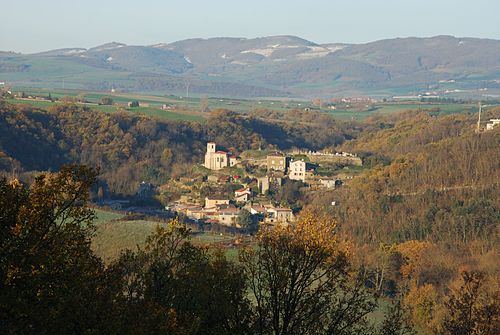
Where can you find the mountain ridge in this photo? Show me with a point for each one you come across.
(284, 64)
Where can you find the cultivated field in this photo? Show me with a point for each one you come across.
(188, 109)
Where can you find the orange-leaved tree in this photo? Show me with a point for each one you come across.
(300, 278)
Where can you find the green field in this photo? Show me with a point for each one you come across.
(148, 111)
(391, 107)
(192, 103)
(114, 234)
(187, 109)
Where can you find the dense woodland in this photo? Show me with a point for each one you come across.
(129, 149)
(420, 225)
(426, 210)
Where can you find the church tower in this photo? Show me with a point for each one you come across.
(210, 147)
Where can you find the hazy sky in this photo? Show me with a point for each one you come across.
(36, 25)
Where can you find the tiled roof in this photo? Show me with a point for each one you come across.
(229, 211)
(282, 209)
(216, 197)
(258, 208)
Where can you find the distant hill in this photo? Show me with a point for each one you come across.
(269, 66)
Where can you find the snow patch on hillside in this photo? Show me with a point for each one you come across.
(263, 52)
(159, 45)
(110, 47)
(270, 49)
(74, 51)
(314, 52)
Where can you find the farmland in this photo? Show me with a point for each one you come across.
(171, 107)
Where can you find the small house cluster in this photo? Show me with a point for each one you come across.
(269, 174)
(222, 210)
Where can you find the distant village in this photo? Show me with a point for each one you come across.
(226, 208)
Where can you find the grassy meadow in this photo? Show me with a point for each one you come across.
(115, 233)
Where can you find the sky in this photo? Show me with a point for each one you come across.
(37, 25)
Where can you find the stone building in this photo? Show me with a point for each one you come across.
(263, 184)
(279, 215)
(217, 159)
(297, 170)
(212, 201)
(277, 162)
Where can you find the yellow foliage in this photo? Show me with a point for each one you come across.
(311, 233)
(412, 252)
(15, 183)
(422, 303)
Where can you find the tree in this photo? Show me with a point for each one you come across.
(470, 311)
(299, 277)
(317, 102)
(50, 281)
(247, 221)
(395, 322)
(181, 288)
(204, 104)
(106, 101)
(100, 193)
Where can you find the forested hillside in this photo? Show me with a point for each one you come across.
(426, 210)
(129, 149)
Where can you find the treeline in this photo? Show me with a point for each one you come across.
(129, 149)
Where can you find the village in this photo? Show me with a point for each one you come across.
(251, 202)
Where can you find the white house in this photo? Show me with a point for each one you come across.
(492, 124)
(297, 170)
(242, 195)
(279, 215)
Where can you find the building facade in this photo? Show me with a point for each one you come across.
(276, 162)
(216, 159)
(297, 170)
(492, 124)
(212, 202)
(279, 215)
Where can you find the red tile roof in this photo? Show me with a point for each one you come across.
(282, 209)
